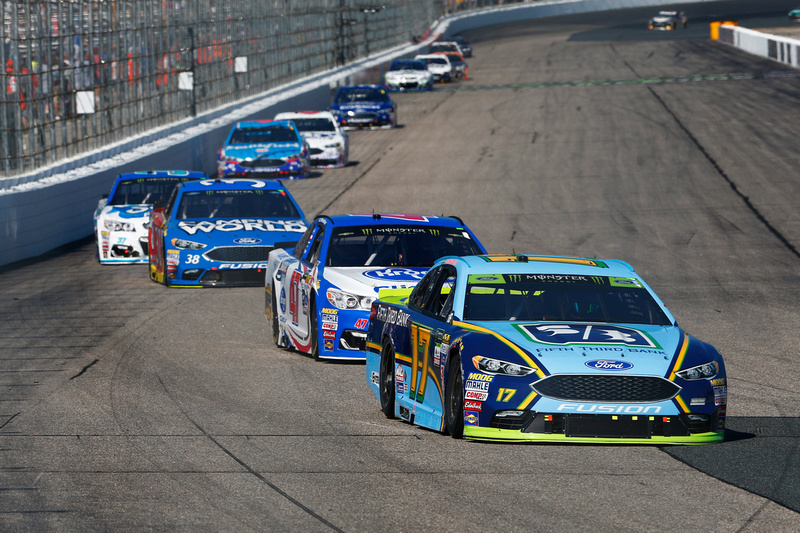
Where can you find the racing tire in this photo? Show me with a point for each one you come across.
(454, 399)
(312, 310)
(276, 331)
(386, 380)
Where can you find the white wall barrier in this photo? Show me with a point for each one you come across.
(53, 206)
(781, 49)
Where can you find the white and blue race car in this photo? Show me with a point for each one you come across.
(122, 217)
(219, 232)
(318, 295)
(328, 143)
(263, 149)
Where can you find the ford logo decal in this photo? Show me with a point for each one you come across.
(247, 241)
(608, 364)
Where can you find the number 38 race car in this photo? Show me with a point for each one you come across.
(547, 349)
(318, 295)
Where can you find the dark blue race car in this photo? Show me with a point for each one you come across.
(364, 106)
(543, 349)
(220, 232)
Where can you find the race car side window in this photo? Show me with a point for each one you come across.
(316, 244)
(421, 292)
(171, 202)
(302, 244)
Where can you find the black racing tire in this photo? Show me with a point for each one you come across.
(313, 330)
(276, 332)
(386, 380)
(454, 399)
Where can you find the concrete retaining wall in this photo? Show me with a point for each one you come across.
(781, 49)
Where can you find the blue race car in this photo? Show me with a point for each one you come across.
(364, 106)
(264, 149)
(122, 218)
(543, 349)
(318, 295)
(220, 232)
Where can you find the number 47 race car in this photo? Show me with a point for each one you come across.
(542, 349)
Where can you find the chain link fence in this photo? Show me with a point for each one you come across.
(82, 74)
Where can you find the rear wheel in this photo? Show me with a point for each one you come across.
(387, 380)
(454, 399)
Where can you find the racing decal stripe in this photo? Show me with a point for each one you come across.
(402, 357)
(681, 404)
(507, 342)
(527, 401)
(679, 359)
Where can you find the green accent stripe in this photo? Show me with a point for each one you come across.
(511, 435)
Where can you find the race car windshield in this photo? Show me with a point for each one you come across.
(560, 297)
(412, 246)
(143, 191)
(314, 124)
(408, 65)
(361, 95)
(236, 204)
(436, 60)
(266, 134)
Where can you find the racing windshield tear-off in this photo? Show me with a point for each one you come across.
(559, 297)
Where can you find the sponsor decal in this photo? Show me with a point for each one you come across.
(476, 385)
(399, 374)
(329, 311)
(718, 381)
(612, 408)
(437, 355)
(721, 395)
(697, 401)
(470, 418)
(392, 315)
(480, 377)
(327, 334)
(242, 266)
(375, 378)
(608, 364)
(137, 211)
(395, 274)
(473, 405)
(246, 241)
(282, 300)
(361, 323)
(329, 345)
(256, 184)
(244, 224)
(565, 334)
(327, 317)
(329, 325)
(475, 395)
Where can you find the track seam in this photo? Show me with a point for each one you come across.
(244, 465)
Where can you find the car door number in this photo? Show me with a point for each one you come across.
(420, 347)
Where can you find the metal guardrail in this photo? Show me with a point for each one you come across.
(82, 74)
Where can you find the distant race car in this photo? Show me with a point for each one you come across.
(219, 232)
(408, 75)
(444, 46)
(667, 20)
(318, 295)
(122, 218)
(543, 349)
(459, 65)
(794, 14)
(263, 149)
(328, 143)
(362, 106)
(463, 44)
(439, 65)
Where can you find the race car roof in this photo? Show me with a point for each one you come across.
(144, 174)
(228, 184)
(539, 264)
(391, 218)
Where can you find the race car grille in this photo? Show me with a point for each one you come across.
(239, 254)
(253, 277)
(261, 163)
(617, 389)
(362, 117)
(315, 151)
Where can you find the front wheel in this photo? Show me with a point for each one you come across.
(387, 380)
(454, 399)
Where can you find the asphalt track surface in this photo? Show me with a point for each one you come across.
(128, 406)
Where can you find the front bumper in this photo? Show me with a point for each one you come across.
(118, 248)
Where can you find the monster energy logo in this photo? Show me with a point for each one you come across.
(366, 231)
(434, 232)
(599, 280)
(514, 278)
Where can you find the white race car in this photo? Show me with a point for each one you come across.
(439, 65)
(408, 75)
(329, 144)
(122, 218)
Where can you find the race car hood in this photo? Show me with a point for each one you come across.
(243, 231)
(259, 151)
(661, 19)
(585, 348)
(367, 281)
(320, 138)
(407, 73)
(362, 106)
(127, 213)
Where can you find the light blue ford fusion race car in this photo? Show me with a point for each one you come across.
(264, 149)
(543, 349)
(364, 106)
(219, 232)
(318, 295)
(122, 218)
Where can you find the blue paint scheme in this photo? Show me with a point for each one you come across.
(313, 320)
(264, 149)
(220, 232)
(400, 326)
(361, 106)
